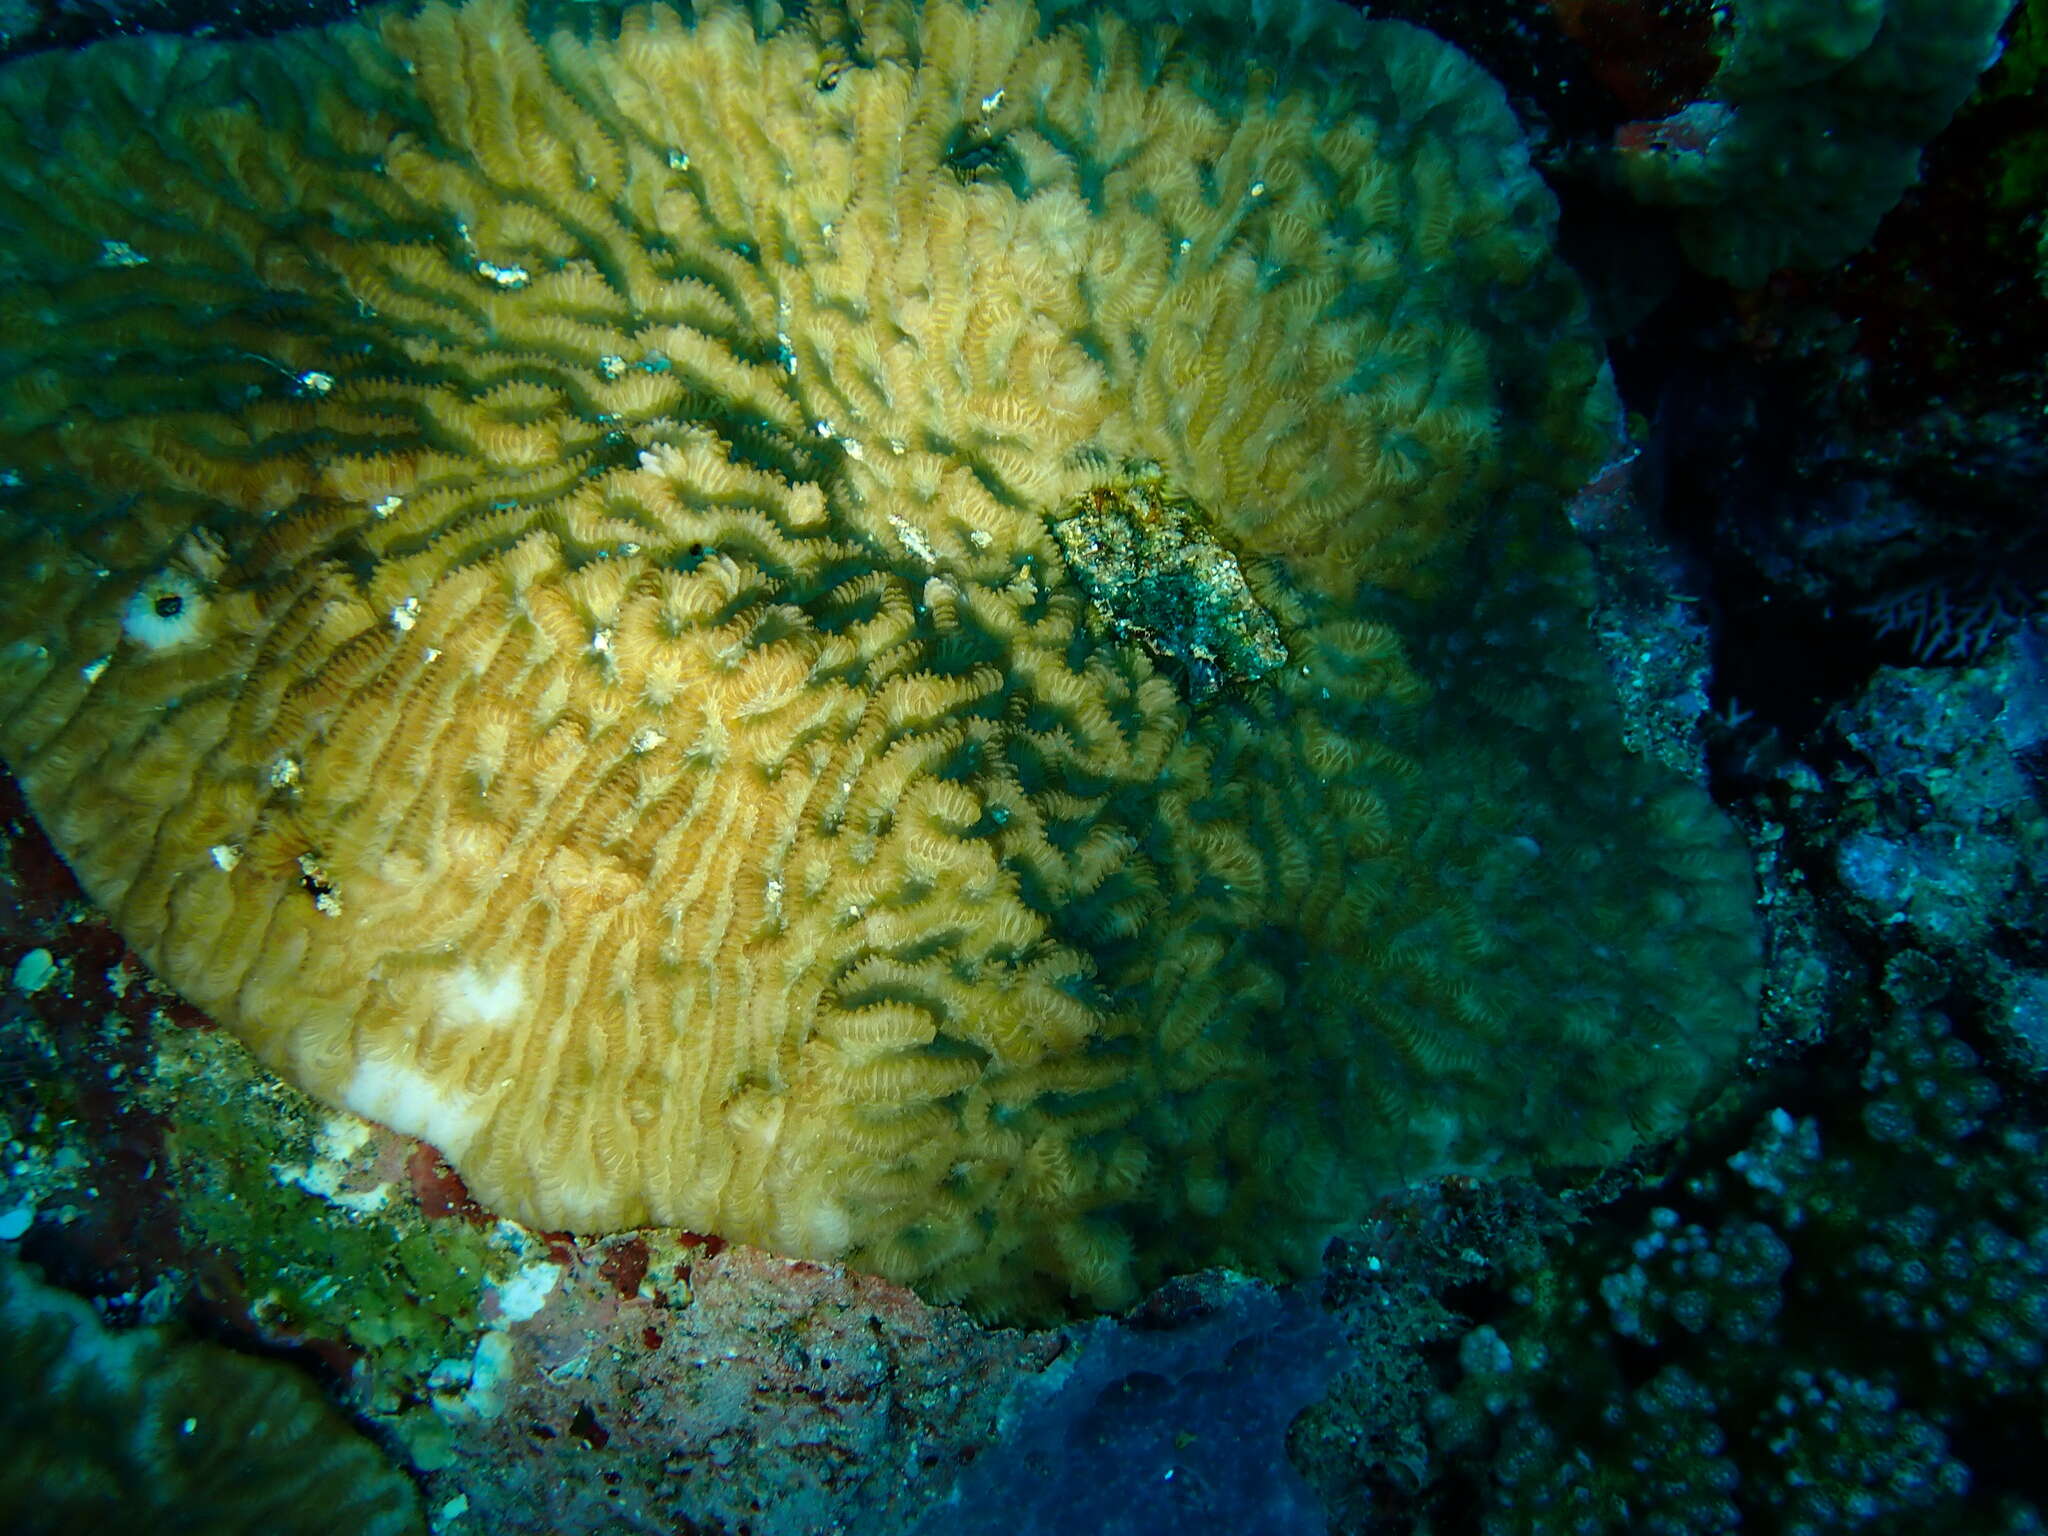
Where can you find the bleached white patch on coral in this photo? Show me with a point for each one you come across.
(474, 1388)
(35, 971)
(397, 1096)
(513, 1240)
(915, 544)
(662, 459)
(491, 997)
(166, 612)
(804, 506)
(340, 1139)
(525, 1291)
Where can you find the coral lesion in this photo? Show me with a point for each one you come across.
(1155, 574)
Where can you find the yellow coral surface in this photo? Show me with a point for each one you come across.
(534, 599)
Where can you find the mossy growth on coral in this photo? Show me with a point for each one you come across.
(252, 1160)
(541, 606)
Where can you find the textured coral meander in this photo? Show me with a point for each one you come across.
(144, 1430)
(536, 595)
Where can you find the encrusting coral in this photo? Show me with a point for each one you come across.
(539, 598)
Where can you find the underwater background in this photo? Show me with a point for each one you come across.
(1814, 238)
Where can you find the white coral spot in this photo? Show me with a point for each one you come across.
(476, 995)
(165, 613)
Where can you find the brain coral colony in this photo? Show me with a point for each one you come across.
(922, 634)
